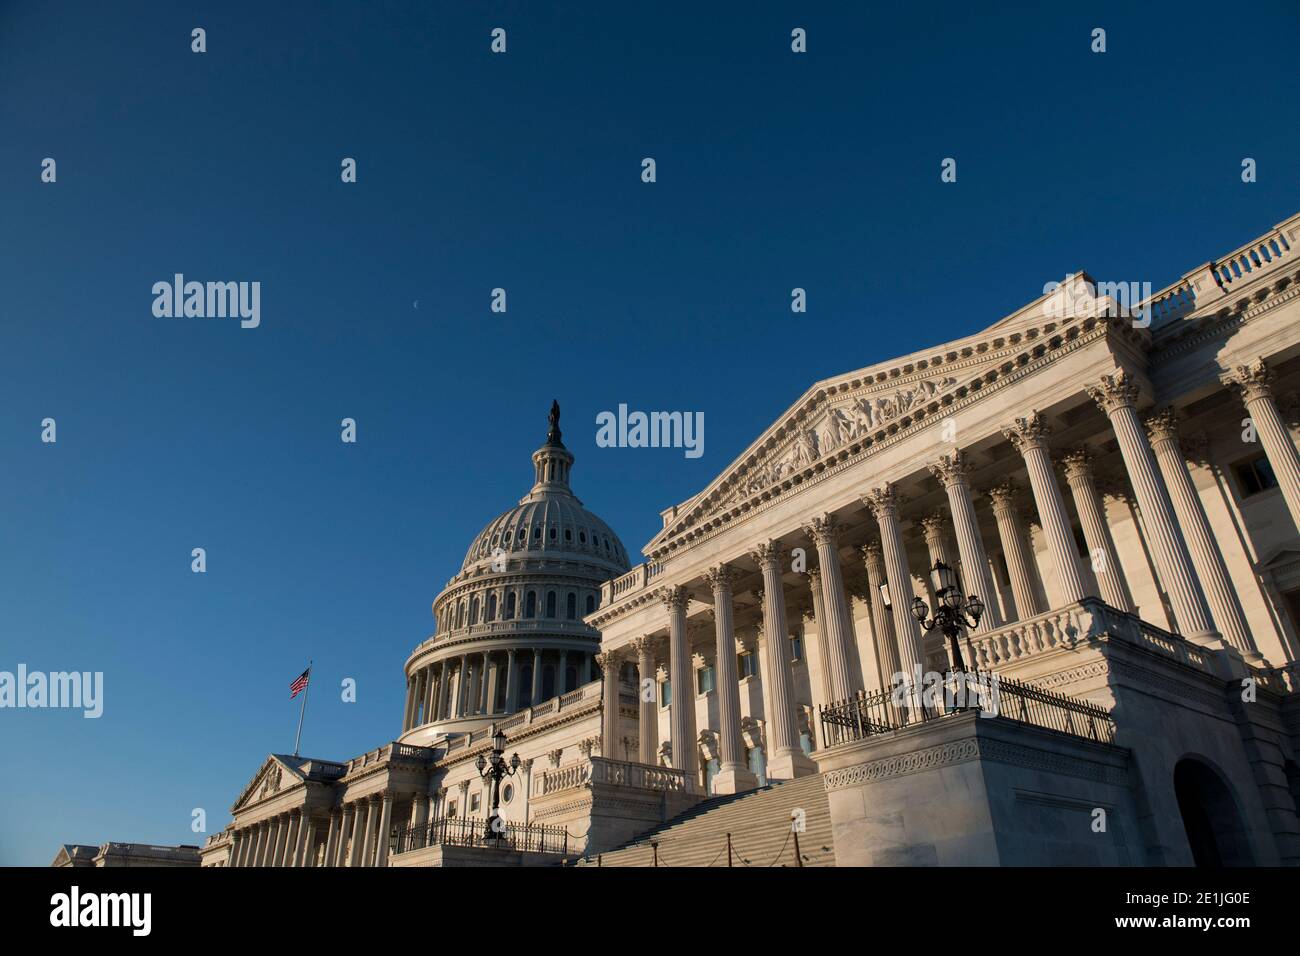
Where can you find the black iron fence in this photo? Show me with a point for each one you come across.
(464, 831)
(894, 708)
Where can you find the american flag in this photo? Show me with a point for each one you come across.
(300, 683)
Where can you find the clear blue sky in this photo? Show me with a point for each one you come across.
(520, 171)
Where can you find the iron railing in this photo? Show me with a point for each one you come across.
(466, 831)
(893, 709)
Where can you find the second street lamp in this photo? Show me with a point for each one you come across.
(952, 610)
(494, 767)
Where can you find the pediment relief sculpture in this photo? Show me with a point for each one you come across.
(838, 426)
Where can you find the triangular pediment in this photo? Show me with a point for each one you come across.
(839, 418)
(276, 773)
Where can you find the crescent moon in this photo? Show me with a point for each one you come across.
(417, 303)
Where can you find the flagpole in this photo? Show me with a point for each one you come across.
(303, 710)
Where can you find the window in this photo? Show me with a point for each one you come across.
(591, 603)
(451, 809)
(747, 664)
(474, 801)
(537, 532)
(491, 607)
(510, 606)
(571, 606)
(796, 648)
(666, 693)
(552, 534)
(1254, 475)
(568, 534)
(530, 605)
(704, 680)
(582, 537)
(507, 793)
(550, 604)
(473, 610)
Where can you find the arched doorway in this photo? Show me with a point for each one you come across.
(1215, 831)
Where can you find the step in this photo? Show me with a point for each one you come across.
(758, 822)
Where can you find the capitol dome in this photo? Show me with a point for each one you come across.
(510, 630)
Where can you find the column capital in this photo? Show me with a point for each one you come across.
(1162, 425)
(934, 524)
(643, 646)
(768, 554)
(1114, 392)
(1004, 496)
(814, 577)
(1254, 380)
(951, 469)
(883, 501)
(721, 577)
(1077, 465)
(1028, 433)
(822, 529)
(872, 553)
(607, 659)
(675, 597)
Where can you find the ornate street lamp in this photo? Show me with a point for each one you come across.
(952, 610)
(494, 768)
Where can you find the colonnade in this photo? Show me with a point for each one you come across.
(1188, 565)
(472, 684)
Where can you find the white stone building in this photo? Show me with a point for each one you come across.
(1119, 482)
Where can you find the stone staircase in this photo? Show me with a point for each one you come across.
(759, 824)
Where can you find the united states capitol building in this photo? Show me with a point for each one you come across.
(1117, 481)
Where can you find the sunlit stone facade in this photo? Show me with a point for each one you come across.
(1121, 486)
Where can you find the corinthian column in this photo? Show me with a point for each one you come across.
(1110, 579)
(1020, 562)
(609, 694)
(430, 690)
(883, 503)
(882, 623)
(1029, 436)
(512, 682)
(845, 681)
(1117, 396)
(953, 472)
(1255, 382)
(360, 831)
(648, 729)
(1205, 553)
(733, 775)
(681, 714)
(786, 760)
(385, 824)
(819, 618)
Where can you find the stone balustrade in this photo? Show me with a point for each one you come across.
(1076, 623)
(618, 773)
(636, 579)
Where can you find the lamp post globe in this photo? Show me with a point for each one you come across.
(493, 767)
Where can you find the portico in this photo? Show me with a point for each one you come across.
(1056, 452)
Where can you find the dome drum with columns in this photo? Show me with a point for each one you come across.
(510, 630)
